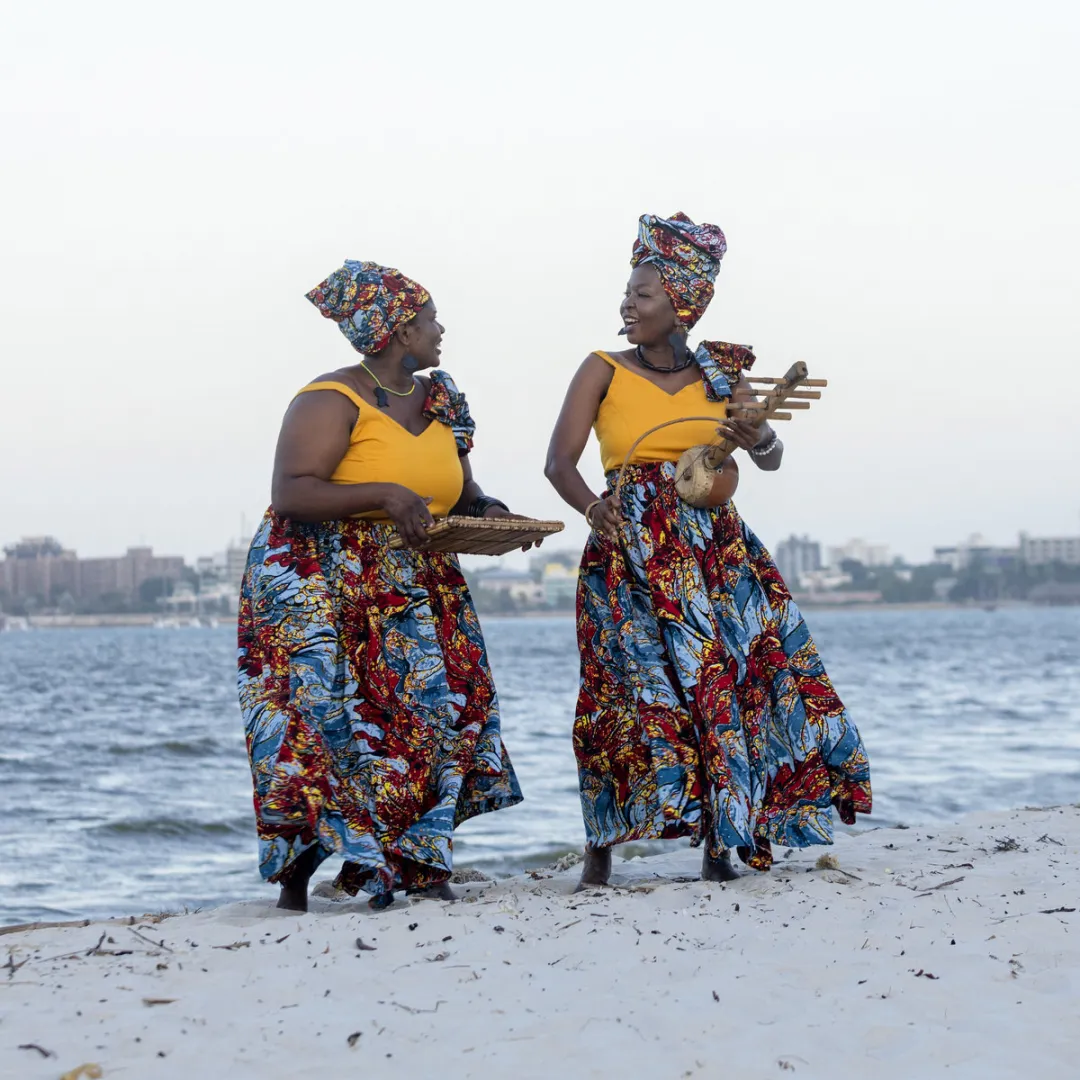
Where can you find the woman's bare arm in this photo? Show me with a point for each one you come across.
(314, 438)
(571, 433)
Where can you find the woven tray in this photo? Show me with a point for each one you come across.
(483, 536)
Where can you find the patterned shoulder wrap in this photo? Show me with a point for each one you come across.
(720, 363)
(447, 404)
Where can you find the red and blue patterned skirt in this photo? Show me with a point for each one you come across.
(371, 717)
(704, 708)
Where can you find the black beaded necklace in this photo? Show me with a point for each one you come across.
(677, 342)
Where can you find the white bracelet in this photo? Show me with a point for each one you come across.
(768, 448)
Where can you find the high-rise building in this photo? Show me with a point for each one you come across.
(975, 551)
(235, 564)
(1038, 551)
(39, 569)
(127, 574)
(796, 557)
(861, 552)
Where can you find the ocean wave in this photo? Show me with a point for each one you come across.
(204, 747)
(174, 826)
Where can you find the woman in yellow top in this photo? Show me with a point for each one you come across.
(704, 709)
(372, 721)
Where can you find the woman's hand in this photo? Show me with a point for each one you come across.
(605, 517)
(747, 428)
(410, 514)
(744, 433)
(499, 512)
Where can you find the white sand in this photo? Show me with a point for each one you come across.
(931, 955)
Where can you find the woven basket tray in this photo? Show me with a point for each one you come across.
(483, 536)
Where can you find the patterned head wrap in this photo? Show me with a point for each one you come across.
(687, 258)
(368, 302)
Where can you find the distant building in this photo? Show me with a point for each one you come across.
(1039, 551)
(824, 580)
(975, 551)
(39, 569)
(226, 566)
(235, 564)
(559, 585)
(517, 584)
(127, 574)
(183, 600)
(1030, 550)
(795, 558)
(861, 552)
(207, 599)
(566, 558)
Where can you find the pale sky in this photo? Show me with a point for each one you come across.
(899, 186)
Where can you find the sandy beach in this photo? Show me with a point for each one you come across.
(952, 950)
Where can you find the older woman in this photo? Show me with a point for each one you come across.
(704, 709)
(372, 721)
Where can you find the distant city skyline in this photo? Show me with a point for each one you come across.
(576, 534)
(875, 550)
(868, 552)
(39, 576)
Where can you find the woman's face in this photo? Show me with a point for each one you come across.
(646, 310)
(422, 337)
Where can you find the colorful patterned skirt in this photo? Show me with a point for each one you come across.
(704, 708)
(372, 721)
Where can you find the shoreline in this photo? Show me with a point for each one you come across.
(147, 621)
(947, 949)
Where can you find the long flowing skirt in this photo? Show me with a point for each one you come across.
(371, 718)
(704, 708)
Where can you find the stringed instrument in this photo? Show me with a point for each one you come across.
(698, 469)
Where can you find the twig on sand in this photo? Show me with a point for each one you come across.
(841, 870)
(11, 967)
(934, 888)
(150, 941)
(40, 1049)
(1041, 911)
(18, 929)
(413, 1010)
(94, 950)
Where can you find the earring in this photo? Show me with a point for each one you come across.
(409, 362)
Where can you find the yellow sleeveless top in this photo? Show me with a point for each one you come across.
(381, 451)
(633, 404)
